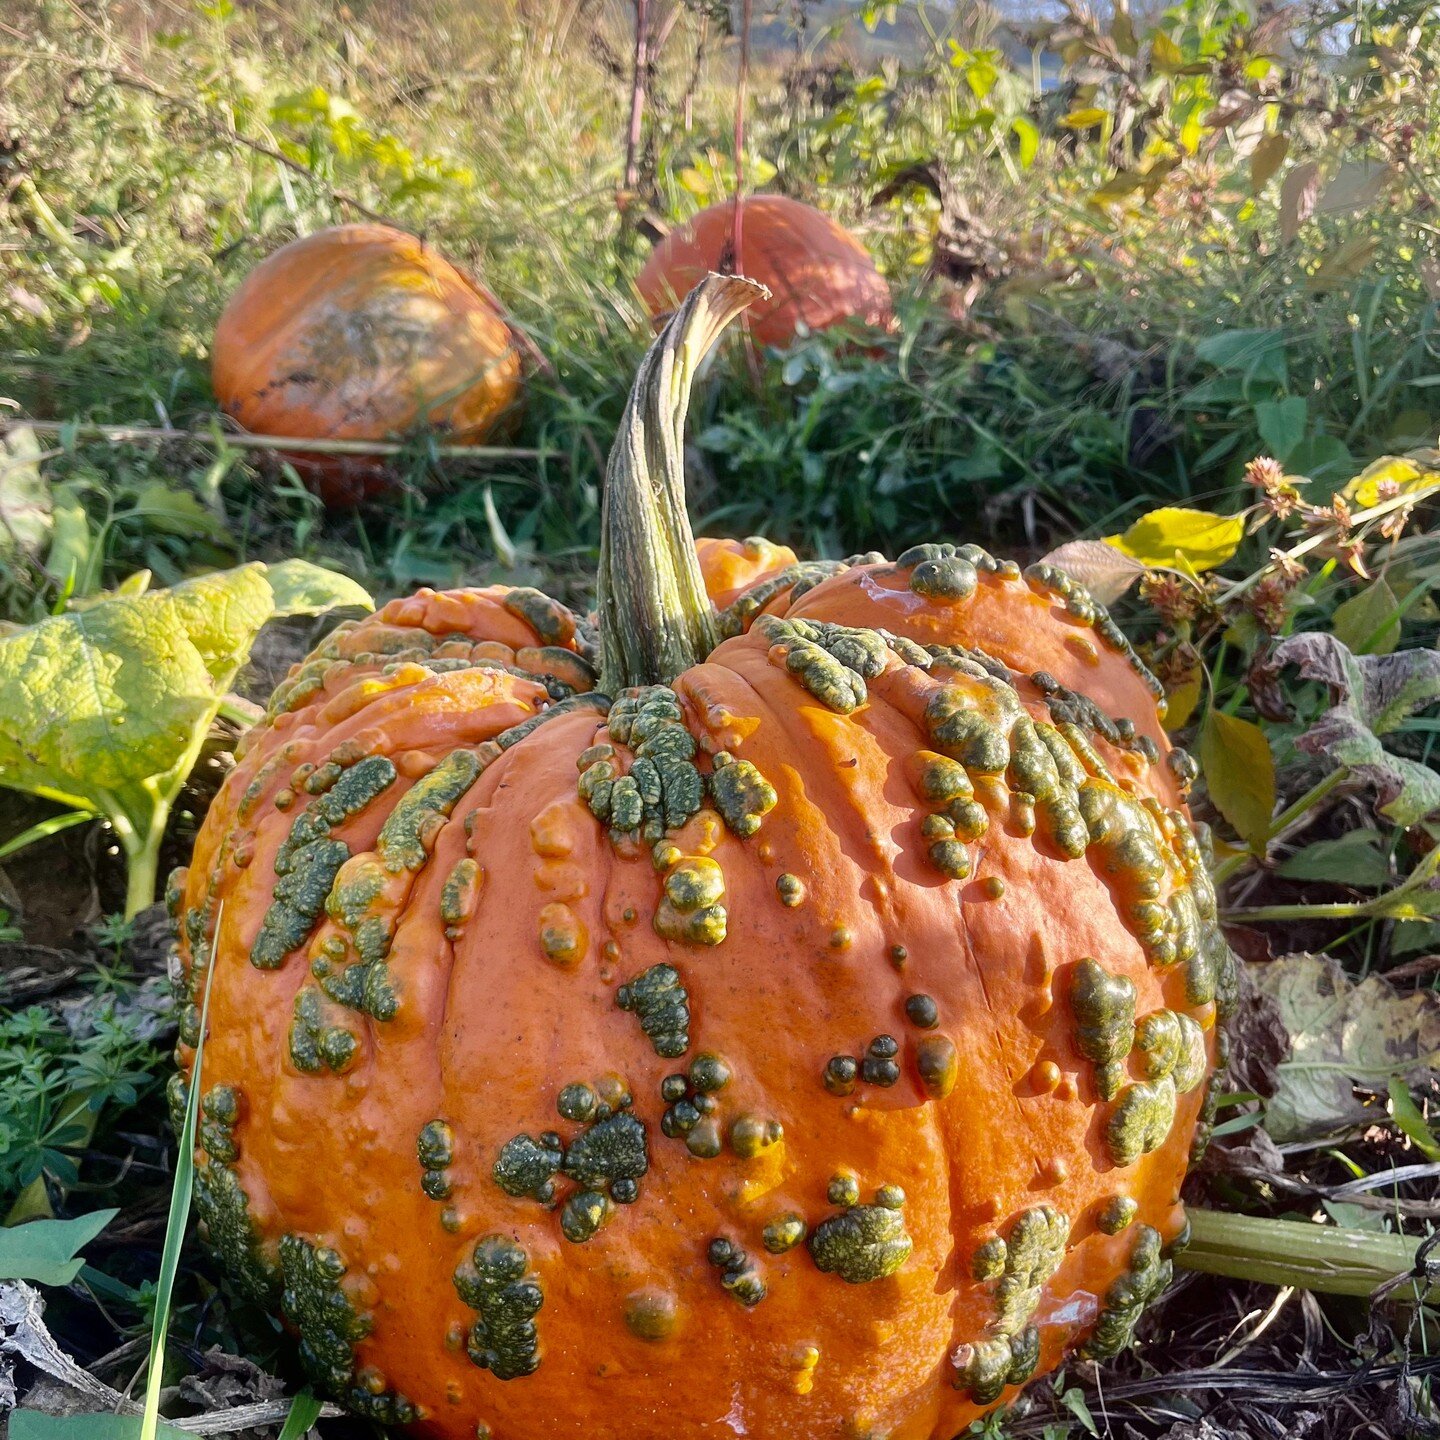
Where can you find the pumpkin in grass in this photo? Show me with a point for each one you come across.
(787, 1021)
(818, 274)
(360, 333)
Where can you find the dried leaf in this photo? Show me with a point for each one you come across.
(1106, 571)
(1344, 263)
(1341, 1035)
(25, 504)
(1239, 774)
(1384, 690)
(1267, 158)
(1297, 198)
(1356, 186)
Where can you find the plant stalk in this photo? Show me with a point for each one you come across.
(655, 617)
(1322, 1258)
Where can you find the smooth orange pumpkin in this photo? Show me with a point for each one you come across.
(360, 333)
(808, 1042)
(818, 274)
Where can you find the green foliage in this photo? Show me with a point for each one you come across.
(45, 1251)
(105, 707)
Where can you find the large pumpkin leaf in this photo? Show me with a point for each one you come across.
(1191, 539)
(1342, 1034)
(104, 708)
(1371, 695)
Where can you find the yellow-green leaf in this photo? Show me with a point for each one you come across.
(1164, 52)
(1239, 774)
(1390, 470)
(1084, 119)
(1181, 703)
(1369, 623)
(1174, 536)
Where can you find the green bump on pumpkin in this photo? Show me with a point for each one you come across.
(528, 1166)
(457, 895)
(1191, 1061)
(958, 726)
(315, 1303)
(784, 1232)
(739, 1275)
(435, 1145)
(862, 1243)
(1104, 1005)
(943, 780)
(736, 618)
(985, 1368)
(314, 1045)
(611, 1149)
(742, 795)
(1033, 1252)
(409, 834)
(583, 1214)
(1117, 1214)
(944, 579)
(1145, 1280)
(662, 1006)
(663, 788)
(790, 889)
(989, 1261)
(1141, 1121)
(1158, 1039)
(819, 656)
(494, 1283)
(221, 1204)
(548, 618)
(297, 900)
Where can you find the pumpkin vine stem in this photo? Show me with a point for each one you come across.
(655, 617)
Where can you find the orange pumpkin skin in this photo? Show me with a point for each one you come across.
(361, 332)
(492, 940)
(730, 567)
(817, 273)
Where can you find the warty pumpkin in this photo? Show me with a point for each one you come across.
(359, 333)
(818, 274)
(787, 1020)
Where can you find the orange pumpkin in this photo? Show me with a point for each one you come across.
(817, 272)
(807, 1041)
(360, 333)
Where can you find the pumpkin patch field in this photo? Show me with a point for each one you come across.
(719, 720)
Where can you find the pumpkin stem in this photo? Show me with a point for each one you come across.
(1307, 1257)
(655, 617)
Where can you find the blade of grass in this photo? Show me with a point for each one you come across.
(175, 1226)
(43, 830)
(304, 1412)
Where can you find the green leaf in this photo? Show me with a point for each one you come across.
(1085, 118)
(25, 505)
(1282, 424)
(74, 559)
(1239, 774)
(44, 1251)
(35, 1425)
(1258, 355)
(304, 1412)
(1341, 1034)
(1325, 461)
(1369, 623)
(1173, 536)
(300, 588)
(172, 511)
(1411, 1121)
(1357, 858)
(105, 708)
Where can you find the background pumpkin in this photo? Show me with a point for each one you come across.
(360, 332)
(811, 1042)
(817, 272)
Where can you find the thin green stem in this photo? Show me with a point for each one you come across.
(1322, 1258)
